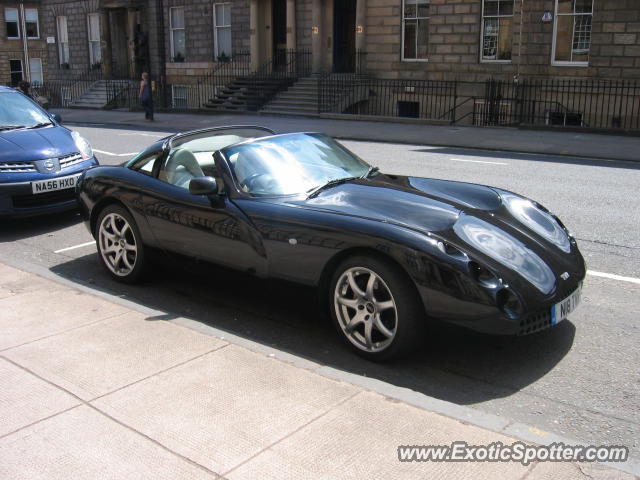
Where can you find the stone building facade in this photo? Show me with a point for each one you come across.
(410, 39)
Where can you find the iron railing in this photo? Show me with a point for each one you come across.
(593, 104)
(63, 93)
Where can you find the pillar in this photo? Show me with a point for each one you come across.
(361, 21)
(105, 43)
(291, 25)
(254, 45)
(131, 42)
(316, 36)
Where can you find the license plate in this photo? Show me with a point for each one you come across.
(561, 310)
(61, 183)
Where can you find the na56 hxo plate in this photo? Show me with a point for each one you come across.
(52, 184)
(561, 310)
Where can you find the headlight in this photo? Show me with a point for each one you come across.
(502, 247)
(538, 220)
(83, 145)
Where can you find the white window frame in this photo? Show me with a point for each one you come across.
(37, 23)
(32, 62)
(63, 39)
(92, 59)
(17, 23)
(567, 63)
(482, 24)
(14, 71)
(174, 96)
(402, 39)
(216, 27)
(172, 29)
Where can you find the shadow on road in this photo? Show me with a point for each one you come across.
(13, 229)
(454, 365)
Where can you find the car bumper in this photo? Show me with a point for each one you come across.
(17, 199)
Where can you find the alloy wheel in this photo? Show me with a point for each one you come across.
(118, 245)
(365, 309)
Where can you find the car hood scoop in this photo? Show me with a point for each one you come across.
(422, 203)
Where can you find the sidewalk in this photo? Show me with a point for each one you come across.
(92, 386)
(588, 145)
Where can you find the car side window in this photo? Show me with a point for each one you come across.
(145, 164)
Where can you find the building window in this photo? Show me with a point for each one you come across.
(176, 25)
(222, 33)
(11, 22)
(15, 70)
(35, 71)
(31, 22)
(93, 28)
(497, 30)
(415, 29)
(179, 96)
(63, 40)
(572, 32)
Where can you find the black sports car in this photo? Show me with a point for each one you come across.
(387, 252)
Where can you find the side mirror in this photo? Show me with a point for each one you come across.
(203, 186)
(57, 118)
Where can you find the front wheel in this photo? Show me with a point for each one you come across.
(120, 245)
(375, 308)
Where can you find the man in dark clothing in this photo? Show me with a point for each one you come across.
(146, 96)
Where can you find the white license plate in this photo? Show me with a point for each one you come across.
(561, 310)
(60, 183)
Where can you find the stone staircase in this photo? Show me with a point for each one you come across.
(246, 94)
(94, 97)
(299, 99)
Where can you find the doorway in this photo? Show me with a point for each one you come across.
(344, 35)
(279, 32)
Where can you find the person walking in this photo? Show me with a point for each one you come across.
(146, 96)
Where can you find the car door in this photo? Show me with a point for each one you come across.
(211, 228)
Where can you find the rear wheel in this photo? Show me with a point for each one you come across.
(375, 308)
(120, 245)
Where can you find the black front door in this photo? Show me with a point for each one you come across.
(344, 33)
(279, 22)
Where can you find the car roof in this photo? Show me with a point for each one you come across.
(7, 89)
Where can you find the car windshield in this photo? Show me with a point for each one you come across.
(17, 111)
(292, 164)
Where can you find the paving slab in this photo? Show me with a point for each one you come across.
(26, 399)
(102, 357)
(359, 439)
(14, 281)
(31, 315)
(84, 444)
(574, 471)
(225, 407)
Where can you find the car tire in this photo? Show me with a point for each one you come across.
(375, 308)
(120, 246)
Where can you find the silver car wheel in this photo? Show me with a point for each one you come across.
(365, 309)
(118, 245)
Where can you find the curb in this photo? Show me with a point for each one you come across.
(464, 414)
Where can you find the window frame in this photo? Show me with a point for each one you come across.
(37, 23)
(17, 22)
(403, 20)
(31, 70)
(63, 47)
(173, 29)
(568, 63)
(92, 59)
(216, 45)
(483, 18)
(11, 72)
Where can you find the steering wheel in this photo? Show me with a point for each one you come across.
(249, 181)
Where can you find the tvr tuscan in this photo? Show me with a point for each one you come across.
(387, 252)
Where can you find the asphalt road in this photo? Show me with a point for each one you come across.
(580, 379)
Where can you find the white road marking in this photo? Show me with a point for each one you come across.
(75, 246)
(614, 277)
(476, 161)
(115, 154)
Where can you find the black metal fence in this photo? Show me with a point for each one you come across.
(63, 93)
(593, 104)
